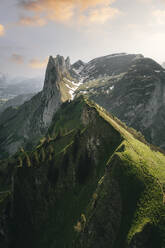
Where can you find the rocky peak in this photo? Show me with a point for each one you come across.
(62, 64)
(145, 68)
(110, 65)
(78, 64)
(36, 115)
(57, 68)
(67, 62)
(137, 96)
(147, 63)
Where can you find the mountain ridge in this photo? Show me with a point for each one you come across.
(89, 183)
(105, 80)
(143, 107)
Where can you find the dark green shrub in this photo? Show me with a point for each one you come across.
(84, 167)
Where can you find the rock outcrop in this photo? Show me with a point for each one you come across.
(127, 85)
(110, 65)
(25, 125)
(132, 88)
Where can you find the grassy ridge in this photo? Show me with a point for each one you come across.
(141, 176)
(89, 183)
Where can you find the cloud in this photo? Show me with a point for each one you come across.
(67, 10)
(32, 21)
(2, 30)
(159, 16)
(17, 58)
(38, 64)
(43, 5)
(101, 15)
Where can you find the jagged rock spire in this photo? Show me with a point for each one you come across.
(57, 68)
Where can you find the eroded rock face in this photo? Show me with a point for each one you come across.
(110, 65)
(138, 99)
(31, 120)
(136, 96)
(127, 85)
(51, 92)
(78, 65)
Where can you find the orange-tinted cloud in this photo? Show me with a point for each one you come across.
(65, 10)
(17, 58)
(32, 21)
(100, 15)
(2, 30)
(42, 5)
(38, 64)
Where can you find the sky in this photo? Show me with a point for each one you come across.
(32, 30)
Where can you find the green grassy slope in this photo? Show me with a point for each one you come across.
(135, 175)
(89, 183)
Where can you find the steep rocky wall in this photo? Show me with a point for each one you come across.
(138, 99)
(26, 125)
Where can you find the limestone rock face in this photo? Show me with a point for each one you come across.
(138, 99)
(132, 88)
(68, 64)
(108, 65)
(31, 120)
(51, 92)
(128, 85)
(78, 64)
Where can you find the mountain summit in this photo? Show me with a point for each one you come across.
(135, 96)
(31, 120)
(128, 85)
(25, 125)
(75, 175)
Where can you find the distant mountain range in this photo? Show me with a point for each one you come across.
(12, 87)
(16, 101)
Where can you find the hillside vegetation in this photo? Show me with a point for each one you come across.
(88, 183)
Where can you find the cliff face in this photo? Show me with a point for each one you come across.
(127, 85)
(89, 183)
(106, 66)
(132, 88)
(137, 98)
(26, 124)
(51, 95)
